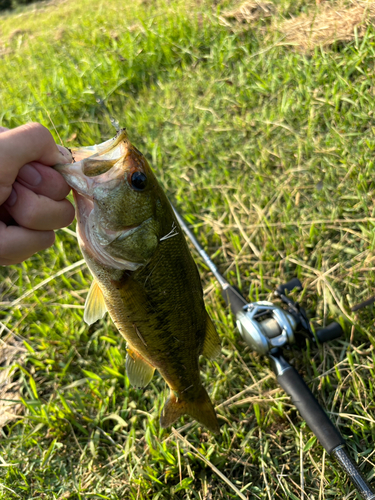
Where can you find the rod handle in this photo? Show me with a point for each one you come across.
(307, 405)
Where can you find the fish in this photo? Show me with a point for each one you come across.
(143, 274)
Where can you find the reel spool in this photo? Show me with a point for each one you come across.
(263, 326)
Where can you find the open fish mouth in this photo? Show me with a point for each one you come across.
(93, 165)
(94, 161)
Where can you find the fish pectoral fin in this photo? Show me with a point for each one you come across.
(95, 307)
(201, 409)
(211, 344)
(138, 370)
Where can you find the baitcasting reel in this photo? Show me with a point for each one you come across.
(265, 326)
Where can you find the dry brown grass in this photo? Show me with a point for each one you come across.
(250, 11)
(11, 354)
(330, 24)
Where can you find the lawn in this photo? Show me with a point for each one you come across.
(268, 151)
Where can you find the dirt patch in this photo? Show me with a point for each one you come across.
(330, 24)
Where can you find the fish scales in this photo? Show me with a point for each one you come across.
(153, 301)
(144, 274)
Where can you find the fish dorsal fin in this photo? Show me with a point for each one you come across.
(95, 307)
(211, 345)
(138, 370)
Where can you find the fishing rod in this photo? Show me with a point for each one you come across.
(267, 328)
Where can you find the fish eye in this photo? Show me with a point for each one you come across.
(138, 181)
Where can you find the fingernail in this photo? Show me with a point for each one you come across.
(12, 198)
(30, 175)
(66, 153)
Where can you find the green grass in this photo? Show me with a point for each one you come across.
(270, 156)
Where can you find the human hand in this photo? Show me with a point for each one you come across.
(32, 195)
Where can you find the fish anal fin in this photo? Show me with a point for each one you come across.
(95, 307)
(211, 345)
(201, 409)
(138, 370)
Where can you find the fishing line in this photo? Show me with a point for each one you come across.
(101, 103)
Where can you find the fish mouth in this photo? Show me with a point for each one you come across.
(93, 165)
(93, 162)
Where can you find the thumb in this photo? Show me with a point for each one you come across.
(66, 153)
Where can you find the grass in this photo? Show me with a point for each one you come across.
(269, 154)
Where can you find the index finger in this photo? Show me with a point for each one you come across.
(24, 144)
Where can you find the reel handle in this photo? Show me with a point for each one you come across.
(288, 287)
(331, 332)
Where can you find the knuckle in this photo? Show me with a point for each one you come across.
(37, 130)
(33, 127)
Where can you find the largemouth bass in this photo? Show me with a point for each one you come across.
(144, 274)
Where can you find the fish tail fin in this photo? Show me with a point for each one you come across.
(201, 409)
